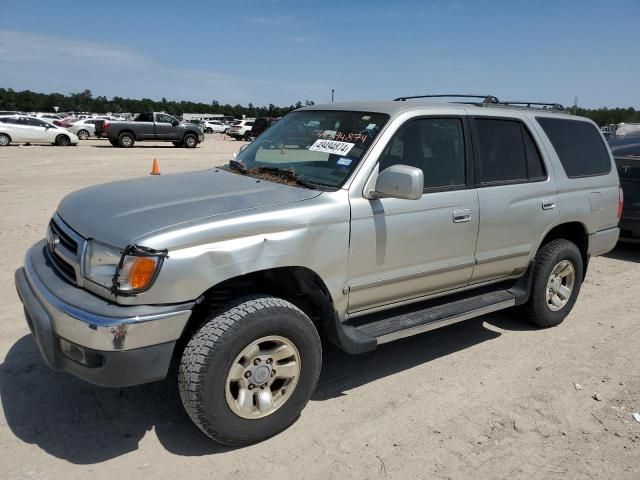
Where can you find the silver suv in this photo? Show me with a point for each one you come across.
(363, 222)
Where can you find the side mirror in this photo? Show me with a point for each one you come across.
(175, 123)
(399, 181)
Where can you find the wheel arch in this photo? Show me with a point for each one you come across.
(126, 130)
(190, 132)
(299, 285)
(573, 231)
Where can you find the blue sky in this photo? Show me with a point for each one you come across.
(269, 51)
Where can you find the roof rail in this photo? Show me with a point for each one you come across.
(485, 98)
(544, 105)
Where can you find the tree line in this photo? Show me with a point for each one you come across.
(28, 101)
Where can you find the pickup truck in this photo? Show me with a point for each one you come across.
(156, 126)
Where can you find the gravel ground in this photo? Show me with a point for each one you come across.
(487, 398)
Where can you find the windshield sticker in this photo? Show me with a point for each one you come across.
(330, 146)
(344, 161)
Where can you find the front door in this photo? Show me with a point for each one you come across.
(403, 249)
(165, 130)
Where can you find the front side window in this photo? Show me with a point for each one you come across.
(434, 145)
(579, 146)
(320, 146)
(162, 118)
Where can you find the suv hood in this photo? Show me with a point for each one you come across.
(118, 213)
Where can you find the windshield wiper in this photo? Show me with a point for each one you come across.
(237, 165)
(290, 175)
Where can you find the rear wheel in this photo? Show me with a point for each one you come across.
(83, 134)
(557, 278)
(4, 139)
(113, 142)
(249, 371)
(247, 136)
(190, 140)
(63, 141)
(208, 130)
(126, 140)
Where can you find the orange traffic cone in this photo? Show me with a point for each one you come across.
(155, 170)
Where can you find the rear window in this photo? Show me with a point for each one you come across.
(579, 146)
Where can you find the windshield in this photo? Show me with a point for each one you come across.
(321, 147)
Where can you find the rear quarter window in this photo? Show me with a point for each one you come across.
(579, 146)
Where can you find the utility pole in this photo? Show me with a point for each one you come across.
(332, 91)
(575, 105)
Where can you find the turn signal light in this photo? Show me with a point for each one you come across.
(141, 272)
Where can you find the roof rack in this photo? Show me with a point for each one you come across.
(489, 101)
(485, 98)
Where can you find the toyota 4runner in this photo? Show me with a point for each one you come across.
(364, 222)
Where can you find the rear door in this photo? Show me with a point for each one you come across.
(38, 131)
(518, 198)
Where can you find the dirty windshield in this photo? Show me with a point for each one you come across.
(318, 147)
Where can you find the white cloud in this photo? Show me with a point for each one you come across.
(51, 64)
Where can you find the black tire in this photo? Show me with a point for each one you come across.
(210, 354)
(208, 130)
(83, 134)
(113, 142)
(5, 140)
(63, 141)
(177, 144)
(537, 309)
(190, 141)
(247, 137)
(126, 140)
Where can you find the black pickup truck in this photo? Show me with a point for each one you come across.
(155, 126)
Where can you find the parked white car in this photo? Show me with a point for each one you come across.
(48, 117)
(214, 126)
(84, 128)
(241, 129)
(24, 129)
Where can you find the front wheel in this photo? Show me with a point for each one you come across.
(83, 134)
(190, 141)
(63, 141)
(557, 278)
(4, 139)
(249, 371)
(208, 130)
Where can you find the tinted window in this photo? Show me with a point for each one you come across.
(535, 167)
(579, 145)
(625, 146)
(436, 146)
(501, 152)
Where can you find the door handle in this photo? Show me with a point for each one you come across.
(461, 216)
(548, 205)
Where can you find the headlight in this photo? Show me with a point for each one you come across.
(131, 271)
(101, 263)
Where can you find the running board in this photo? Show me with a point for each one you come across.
(387, 328)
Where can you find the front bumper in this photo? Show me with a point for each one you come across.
(99, 341)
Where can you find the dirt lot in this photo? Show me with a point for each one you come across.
(488, 398)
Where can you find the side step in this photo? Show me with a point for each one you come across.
(404, 322)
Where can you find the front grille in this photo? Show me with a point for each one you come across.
(65, 250)
(65, 239)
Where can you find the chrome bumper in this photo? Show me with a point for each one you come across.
(65, 318)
